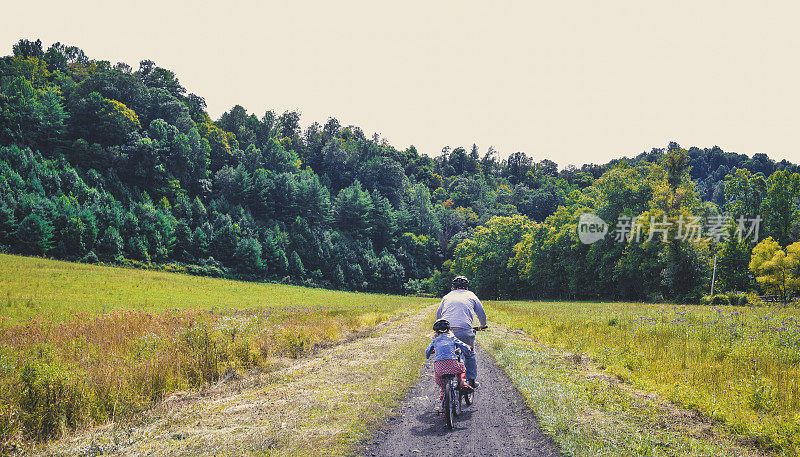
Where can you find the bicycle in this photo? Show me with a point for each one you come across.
(453, 395)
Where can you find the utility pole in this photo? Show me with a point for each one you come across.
(714, 276)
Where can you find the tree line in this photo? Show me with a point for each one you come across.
(101, 162)
(515, 256)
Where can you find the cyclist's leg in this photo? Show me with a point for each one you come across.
(437, 378)
(437, 375)
(462, 381)
(468, 336)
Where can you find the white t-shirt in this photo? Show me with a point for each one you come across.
(459, 308)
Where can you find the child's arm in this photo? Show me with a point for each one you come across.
(429, 350)
(464, 346)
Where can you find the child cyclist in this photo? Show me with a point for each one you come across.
(444, 344)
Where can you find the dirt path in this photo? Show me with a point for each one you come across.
(499, 423)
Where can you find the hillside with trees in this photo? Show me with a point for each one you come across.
(104, 163)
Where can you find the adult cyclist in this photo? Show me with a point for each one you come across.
(459, 307)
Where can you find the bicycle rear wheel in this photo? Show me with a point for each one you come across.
(447, 406)
(468, 397)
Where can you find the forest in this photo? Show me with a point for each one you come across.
(107, 163)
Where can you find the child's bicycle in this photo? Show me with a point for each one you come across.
(453, 395)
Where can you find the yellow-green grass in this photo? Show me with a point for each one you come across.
(737, 365)
(42, 288)
(82, 345)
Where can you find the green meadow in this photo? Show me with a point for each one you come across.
(56, 290)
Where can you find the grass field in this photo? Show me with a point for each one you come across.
(590, 413)
(55, 290)
(740, 366)
(84, 345)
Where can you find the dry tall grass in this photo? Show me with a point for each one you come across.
(69, 369)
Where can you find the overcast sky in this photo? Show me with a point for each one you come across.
(571, 81)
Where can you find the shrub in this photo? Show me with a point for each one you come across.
(717, 299)
(720, 299)
(729, 298)
(414, 287)
(753, 299)
(738, 298)
(205, 270)
(90, 257)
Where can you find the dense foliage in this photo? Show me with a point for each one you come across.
(103, 163)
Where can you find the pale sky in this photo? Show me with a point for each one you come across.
(571, 81)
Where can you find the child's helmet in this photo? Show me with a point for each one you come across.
(441, 326)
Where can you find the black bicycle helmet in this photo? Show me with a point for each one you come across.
(460, 282)
(441, 326)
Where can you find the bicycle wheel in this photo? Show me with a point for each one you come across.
(447, 406)
(456, 397)
(468, 397)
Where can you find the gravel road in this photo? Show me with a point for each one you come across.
(497, 424)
